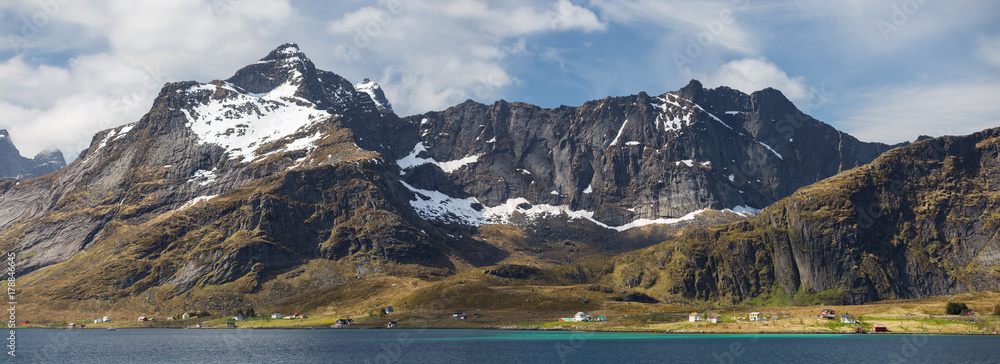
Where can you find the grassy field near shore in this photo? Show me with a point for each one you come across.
(921, 316)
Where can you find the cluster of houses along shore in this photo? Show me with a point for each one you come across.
(582, 317)
(826, 314)
(716, 319)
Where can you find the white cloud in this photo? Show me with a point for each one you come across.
(754, 74)
(91, 93)
(147, 44)
(900, 113)
(683, 22)
(430, 55)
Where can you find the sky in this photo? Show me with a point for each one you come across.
(881, 70)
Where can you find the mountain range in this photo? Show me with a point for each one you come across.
(285, 180)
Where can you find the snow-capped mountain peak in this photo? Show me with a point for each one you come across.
(285, 65)
(280, 96)
(375, 92)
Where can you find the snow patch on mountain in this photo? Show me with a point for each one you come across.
(713, 116)
(195, 201)
(434, 205)
(620, 131)
(691, 162)
(112, 135)
(242, 123)
(771, 149)
(413, 160)
(123, 131)
(643, 222)
(745, 211)
(203, 177)
(673, 115)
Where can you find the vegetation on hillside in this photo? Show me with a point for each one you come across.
(955, 308)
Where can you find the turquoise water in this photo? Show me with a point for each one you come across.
(487, 346)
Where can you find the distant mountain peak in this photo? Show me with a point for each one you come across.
(286, 64)
(692, 91)
(13, 165)
(375, 92)
(287, 51)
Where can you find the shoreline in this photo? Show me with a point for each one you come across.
(556, 329)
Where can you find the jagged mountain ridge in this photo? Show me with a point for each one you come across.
(233, 181)
(13, 165)
(623, 159)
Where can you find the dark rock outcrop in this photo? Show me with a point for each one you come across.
(639, 156)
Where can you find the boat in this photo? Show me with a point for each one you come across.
(112, 329)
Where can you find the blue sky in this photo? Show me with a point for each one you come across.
(882, 70)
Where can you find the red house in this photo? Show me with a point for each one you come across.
(880, 328)
(828, 314)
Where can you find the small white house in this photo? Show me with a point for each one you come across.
(276, 316)
(695, 317)
(580, 317)
(107, 319)
(238, 317)
(97, 321)
(848, 319)
(714, 319)
(185, 316)
(388, 310)
(755, 316)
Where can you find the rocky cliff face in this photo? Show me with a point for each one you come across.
(920, 220)
(637, 157)
(13, 165)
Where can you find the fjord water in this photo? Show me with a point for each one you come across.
(487, 346)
